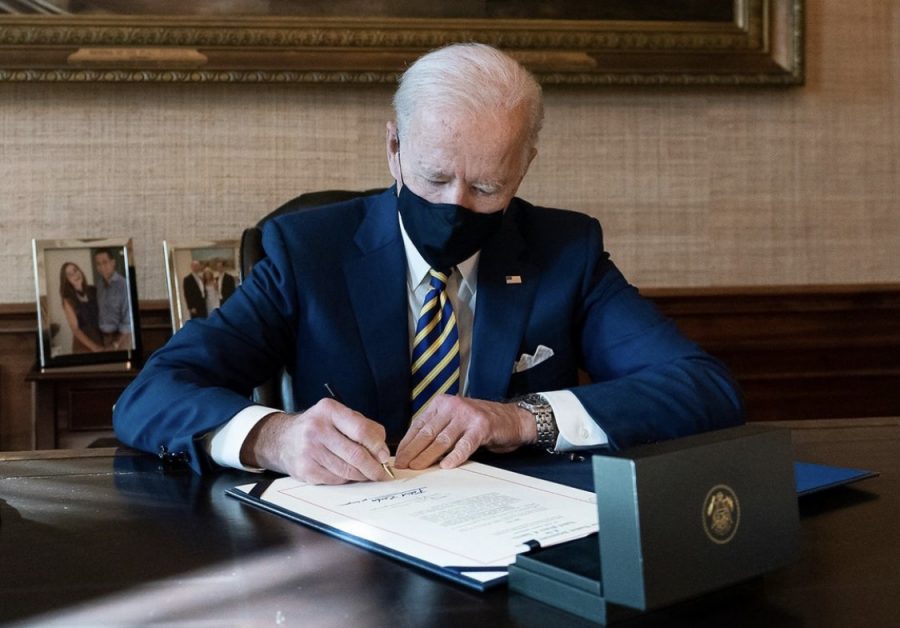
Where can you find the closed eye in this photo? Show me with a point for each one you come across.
(486, 191)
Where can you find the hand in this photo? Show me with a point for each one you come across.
(327, 444)
(454, 427)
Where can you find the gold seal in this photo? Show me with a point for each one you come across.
(721, 514)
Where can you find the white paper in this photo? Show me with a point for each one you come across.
(471, 516)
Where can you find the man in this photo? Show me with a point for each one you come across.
(224, 281)
(431, 307)
(195, 291)
(113, 303)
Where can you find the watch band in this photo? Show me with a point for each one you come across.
(545, 422)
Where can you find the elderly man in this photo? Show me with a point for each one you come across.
(450, 315)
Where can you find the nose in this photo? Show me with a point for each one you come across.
(457, 194)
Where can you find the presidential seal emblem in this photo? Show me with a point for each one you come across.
(721, 514)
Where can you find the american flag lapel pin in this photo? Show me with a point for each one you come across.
(513, 279)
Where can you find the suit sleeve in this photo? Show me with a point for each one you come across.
(206, 373)
(649, 381)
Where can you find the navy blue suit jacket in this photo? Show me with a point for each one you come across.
(329, 303)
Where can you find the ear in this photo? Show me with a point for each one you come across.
(392, 146)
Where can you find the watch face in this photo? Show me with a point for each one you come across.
(534, 399)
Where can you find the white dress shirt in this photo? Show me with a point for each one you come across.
(576, 428)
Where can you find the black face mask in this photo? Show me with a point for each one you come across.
(445, 234)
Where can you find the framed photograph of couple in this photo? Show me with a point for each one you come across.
(200, 276)
(87, 303)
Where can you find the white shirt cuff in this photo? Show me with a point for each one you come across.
(224, 444)
(577, 430)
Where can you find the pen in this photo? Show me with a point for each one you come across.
(333, 393)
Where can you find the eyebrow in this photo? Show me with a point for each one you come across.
(490, 186)
(432, 173)
(436, 173)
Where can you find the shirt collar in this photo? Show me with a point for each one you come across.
(417, 268)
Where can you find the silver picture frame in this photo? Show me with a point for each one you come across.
(200, 276)
(87, 303)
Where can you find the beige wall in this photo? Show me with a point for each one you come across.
(694, 186)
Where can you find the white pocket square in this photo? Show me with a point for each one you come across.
(527, 361)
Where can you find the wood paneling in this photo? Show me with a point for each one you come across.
(798, 352)
(17, 354)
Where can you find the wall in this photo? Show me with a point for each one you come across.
(694, 186)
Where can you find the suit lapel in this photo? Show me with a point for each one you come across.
(507, 283)
(376, 282)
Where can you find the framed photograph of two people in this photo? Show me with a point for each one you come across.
(86, 302)
(201, 276)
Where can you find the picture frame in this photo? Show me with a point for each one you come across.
(87, 303)
(602, 42)
(200, 276)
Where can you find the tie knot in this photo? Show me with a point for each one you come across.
(438, 279)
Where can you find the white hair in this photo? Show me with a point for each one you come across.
(469, 77)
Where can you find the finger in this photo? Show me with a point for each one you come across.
(443, 441)
(437, 433)
(354, 455)
(359, 459)
(331, 469)
(421, 433)
(462, 451)
(457, 439)
(362, 430)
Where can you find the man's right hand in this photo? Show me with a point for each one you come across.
(327, 444)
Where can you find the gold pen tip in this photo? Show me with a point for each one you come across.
(388, 469)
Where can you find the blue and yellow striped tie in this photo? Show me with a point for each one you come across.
(435, 355)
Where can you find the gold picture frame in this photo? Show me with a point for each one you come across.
(761, 43)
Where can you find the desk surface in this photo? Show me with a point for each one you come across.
(90, 537)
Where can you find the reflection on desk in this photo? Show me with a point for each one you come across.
(100, 536)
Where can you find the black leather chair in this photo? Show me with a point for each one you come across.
(278, 393)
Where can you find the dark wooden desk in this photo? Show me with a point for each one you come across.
(90, 537)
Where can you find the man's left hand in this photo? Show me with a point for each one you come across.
(453, 428)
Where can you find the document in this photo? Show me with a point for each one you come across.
(467, 523)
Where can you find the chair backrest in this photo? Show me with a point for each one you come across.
(278, 393)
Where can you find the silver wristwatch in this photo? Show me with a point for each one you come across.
(547, 431)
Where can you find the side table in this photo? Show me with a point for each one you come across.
(68, 400)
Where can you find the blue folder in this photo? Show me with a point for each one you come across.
(576, 471)
(812, 478)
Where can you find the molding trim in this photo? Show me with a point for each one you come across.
(762, 44)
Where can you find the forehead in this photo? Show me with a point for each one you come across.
(490, 140)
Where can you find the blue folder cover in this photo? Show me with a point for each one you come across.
(808, 477)
(812, 478)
